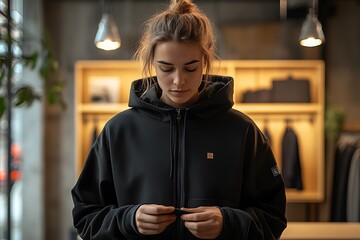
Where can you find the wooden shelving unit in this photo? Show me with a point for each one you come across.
(307, 119)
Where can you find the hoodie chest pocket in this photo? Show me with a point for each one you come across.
(214, 178)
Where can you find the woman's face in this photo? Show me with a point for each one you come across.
(179, 69)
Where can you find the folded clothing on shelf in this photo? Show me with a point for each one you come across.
(291, 90)
(287, 90)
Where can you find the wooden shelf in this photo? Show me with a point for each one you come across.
(296, 196)
(276, 108)
(255, 108)
(321, 230)
(109, 108)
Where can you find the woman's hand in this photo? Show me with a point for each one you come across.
(153, 219)
(203, 222)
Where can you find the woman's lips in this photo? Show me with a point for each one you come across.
(179, 92)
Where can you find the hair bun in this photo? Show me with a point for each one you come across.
(181, 6)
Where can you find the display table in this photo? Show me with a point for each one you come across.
(321, 230)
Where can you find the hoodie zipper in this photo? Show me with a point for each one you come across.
(180, 167)
(180, 164)
(178, 115)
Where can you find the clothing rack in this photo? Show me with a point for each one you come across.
(349, 137)
(352, 128)
(91, 118)
(346, 178)
(288, 119)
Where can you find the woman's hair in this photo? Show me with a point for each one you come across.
(182, 22)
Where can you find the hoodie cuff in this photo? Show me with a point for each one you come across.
(129, 225)
(227, 229)
(236, 224)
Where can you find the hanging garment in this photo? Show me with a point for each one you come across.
(94, 133)
(291, 167)
(343, 157)
(353, 190)
(267, 134)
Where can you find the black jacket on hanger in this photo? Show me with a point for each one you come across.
(291, 167)
(267, 134)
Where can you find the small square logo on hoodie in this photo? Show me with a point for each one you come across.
(275, 171)
(209, 156)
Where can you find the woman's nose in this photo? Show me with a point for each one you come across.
(178, 78)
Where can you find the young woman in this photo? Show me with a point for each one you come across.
(180, 163)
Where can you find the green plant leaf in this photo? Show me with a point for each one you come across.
(30, 61)
(2, 106)
(2, 75)
(25, 96)
(52, 97)
(334, 119)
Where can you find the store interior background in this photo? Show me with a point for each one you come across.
(247, 30)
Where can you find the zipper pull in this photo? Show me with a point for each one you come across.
(178, 116)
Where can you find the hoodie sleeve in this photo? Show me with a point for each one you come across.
(262, 212)
(96, 214)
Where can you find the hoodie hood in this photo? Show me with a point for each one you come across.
(215, 98)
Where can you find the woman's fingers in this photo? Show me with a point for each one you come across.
(204, 222)
(153, 219)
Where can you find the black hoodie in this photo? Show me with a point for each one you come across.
(205, 155)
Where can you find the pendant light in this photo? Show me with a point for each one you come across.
(107, 36)
(311, 34)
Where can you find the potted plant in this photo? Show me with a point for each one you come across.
(48, 68)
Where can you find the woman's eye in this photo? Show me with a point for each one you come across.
(166, 69)
(190, 69)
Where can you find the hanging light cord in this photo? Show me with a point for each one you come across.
(104, 6)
